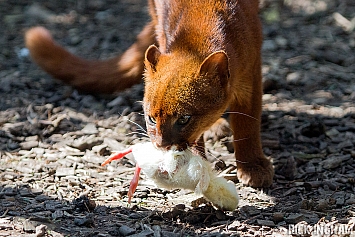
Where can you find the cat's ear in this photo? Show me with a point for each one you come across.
(216, 64)
(152, 55)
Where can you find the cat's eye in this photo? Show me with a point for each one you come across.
(183, 120)
(152, 120)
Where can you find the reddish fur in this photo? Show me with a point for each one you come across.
(207, 60)
(112, 75)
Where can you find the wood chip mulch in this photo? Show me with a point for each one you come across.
(53, 138)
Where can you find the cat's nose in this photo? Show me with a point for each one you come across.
(162, 144)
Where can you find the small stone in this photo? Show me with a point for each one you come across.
(146, 232)
(13, 19)
(113, 144)
(36, 191)
(287, 167)
(41, 198)
(293, 77)
(105, 198)
(310, 169)
(170, 234)
(281, 41)
(157, 230)
(340, 201)
(100, 149)
(86, 221)
(350, 201)
(126, 230)
(41, 230)
(135, 216)
(345, 144)
(90, 128)
(269, 45)
(9, 191)
(265, 223)
(29, 226)
(86, 142)
(294, 218)
(57, 214)
(250, 210)
(26, 193)
(278, 217)
(335, 161)
(37, 11)
(322, 205)
(62, 171)
(75, 39)
(332, 132)
(12, 145)
(114, 232)
(39, 151)
(28, 145)
(91, 157)
(336, 111)
(53, 205)
(42, 216)
(116, 102)
(31, 138)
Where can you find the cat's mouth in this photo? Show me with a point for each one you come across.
(171, 147)
(179, 148)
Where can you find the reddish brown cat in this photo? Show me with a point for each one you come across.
(206, 60)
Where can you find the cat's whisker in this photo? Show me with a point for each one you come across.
(244, 114)
(204, 152)
(242, 162)
(141, 130)
(235, 140)
(139, 133)
(135, 123)
(194, 152)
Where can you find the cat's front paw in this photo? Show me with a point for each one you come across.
(256, 175)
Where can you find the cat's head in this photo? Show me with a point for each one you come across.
(183, 97)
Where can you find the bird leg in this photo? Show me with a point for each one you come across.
(134, 182)
(117, 156)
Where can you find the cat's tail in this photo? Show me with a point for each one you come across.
(106, 76)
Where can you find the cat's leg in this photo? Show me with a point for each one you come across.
(254, 169)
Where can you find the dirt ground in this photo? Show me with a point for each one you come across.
(53, 138)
